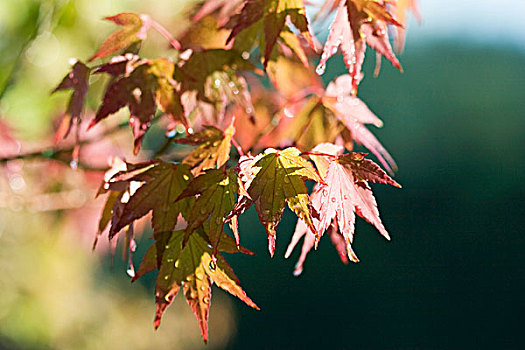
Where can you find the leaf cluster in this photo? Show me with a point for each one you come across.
(211, 92)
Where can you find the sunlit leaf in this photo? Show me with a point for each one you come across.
(191, 267)
(216, 190)
(161, 183)
(279, 180)
(213, 149)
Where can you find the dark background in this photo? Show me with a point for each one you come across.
(452, 276)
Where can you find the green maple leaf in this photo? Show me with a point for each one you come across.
(162, 183)
(213, 149)
(272, 15)
(192, 267)
(216, 190)
(200, 66)
(279, 180)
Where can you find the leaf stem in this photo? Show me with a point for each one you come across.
(166, 34)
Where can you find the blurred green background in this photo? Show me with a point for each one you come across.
(451, 278)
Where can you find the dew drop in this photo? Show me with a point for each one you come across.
(203, 288)
(245, 55)
(177, 264)
(320, 69)
(333, 199)
(166, 277)
(213, 265)
(106, 186)
(345, 197)
(325, 192)
(131, 271)
(73, 164)
(199, 275)
(185, 177)
(217, 82)
(205, 300)
(170, 134)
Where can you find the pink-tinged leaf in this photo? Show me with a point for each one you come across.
(339, 243)
(301, 229)
(376, 36)
(399, 8)
(344, 193)
(78, 80)
(332, 201)
(346, 104)
(321, 153)
(223, 8)
(353, 113)
(353, 49)
(134, 29)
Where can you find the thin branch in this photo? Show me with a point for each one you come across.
(61, 154)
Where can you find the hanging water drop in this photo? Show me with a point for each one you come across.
(320, 69)
(131, 271)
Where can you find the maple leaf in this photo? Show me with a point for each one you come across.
(354, 113)
(400, 7)
(143, 85)
(216, 191)
(192, 267)
(167, 97)
(213, 148)
(357, 23)
(161, 183)
(196, 70)
(278, 179)
(311, 124)
(78, 80)
(224, 9)
(353, 49)
(344, 193)
(134, 29)
(273, 14)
